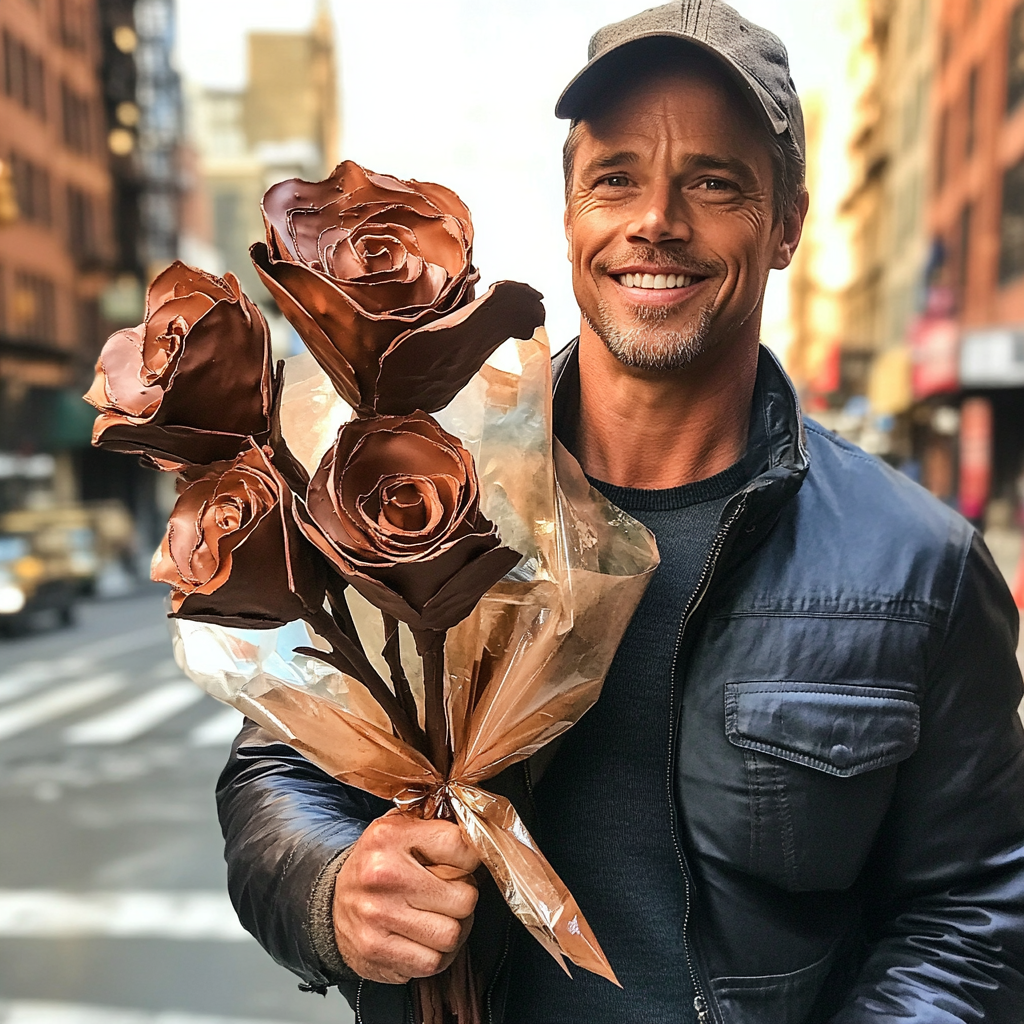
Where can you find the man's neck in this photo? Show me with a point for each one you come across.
(661, 429)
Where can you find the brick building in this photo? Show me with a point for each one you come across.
(976, 216)
(56, 242)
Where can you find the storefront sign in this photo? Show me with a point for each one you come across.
(935, 352)
(993, 358)
(975, 456)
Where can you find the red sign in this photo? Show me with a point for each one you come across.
(975, 456)
(935, 354)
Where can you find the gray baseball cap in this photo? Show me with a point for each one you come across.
(755, 59)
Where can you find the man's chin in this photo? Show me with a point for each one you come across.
(651, 341)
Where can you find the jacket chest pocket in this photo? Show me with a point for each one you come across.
(820, 762)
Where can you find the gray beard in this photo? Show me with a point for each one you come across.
(648, 346)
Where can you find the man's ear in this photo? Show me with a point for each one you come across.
(567, 224)
(792, 229)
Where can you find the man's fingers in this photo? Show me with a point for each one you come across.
(396, 959)
(433, 931)
(454, 899)
(443, 843)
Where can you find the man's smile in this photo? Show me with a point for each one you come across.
(656, 286)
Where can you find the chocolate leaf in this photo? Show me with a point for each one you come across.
(426, 368)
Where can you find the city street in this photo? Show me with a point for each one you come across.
(113, 907)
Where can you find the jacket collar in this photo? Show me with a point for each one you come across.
(776, 431)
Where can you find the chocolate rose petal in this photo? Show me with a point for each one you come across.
(192, 382)
(233, 553)
(185, 308)
(117, 386)
(180, 279)
(327, 322)
(427, 367)
(395, 508)
(217, 392)
(162, 447)
(461, 594)
(384, 296)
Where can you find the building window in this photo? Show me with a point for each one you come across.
(76, 115)
(83, 237)
(74, 24)
(31, 190)
(964, 262)
(972, 111)
(941, 144)
(1011, 225)
(33, 308)
(24, 76)
(1015, 69)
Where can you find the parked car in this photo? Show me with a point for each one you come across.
(35, 578)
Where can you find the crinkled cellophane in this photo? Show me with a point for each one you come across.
(520, 670)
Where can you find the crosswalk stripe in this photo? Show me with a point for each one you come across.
(34, 674)
(38, 1012)
(218, 730)
(50, 914)
(129, 721)
(54, 703)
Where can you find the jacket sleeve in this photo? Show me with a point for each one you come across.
(947, 927)
(285, 823)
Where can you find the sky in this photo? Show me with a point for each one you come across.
(462, 92)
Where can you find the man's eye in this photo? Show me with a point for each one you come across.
(615, 180)
(718, 185)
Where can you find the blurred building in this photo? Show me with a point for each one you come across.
(886, 209)
(89, 206)
(57, 238)
(977, 219)
(284, 123)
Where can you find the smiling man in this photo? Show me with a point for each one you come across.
(800, 797)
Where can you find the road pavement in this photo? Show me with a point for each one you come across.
(112, 892)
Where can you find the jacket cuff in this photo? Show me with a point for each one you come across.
(321, 921)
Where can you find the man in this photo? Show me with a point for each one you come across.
(800, 797)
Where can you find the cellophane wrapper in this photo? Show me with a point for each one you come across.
(520, 670)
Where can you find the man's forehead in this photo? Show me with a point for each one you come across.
(670, 97)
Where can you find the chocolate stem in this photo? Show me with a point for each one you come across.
(343, 614)
(393, 656)
(348, 656)
(431, 649)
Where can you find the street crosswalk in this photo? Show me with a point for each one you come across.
(85, 704)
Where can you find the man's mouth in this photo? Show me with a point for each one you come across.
(656, 282)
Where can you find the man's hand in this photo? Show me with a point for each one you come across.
(404, 899)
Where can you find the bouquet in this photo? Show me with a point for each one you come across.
(379, 551)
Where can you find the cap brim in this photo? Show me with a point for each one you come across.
(574, 100)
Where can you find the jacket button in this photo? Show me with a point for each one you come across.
(841, 755)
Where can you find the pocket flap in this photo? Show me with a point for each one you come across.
(840, 728)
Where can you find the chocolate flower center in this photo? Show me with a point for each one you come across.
(160, 358)
(213, 516)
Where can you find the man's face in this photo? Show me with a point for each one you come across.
(669, 221)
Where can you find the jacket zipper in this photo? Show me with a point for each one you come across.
(700, 1004)
(359, 999)
(497, 972)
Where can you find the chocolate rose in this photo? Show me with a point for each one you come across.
(376, 275)
(232, 553)
(192, 382)
(395, 508)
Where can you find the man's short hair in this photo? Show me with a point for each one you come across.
(654, 57)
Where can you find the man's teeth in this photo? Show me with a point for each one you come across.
(655, 280)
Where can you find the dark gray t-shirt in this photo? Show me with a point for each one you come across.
(604, 804)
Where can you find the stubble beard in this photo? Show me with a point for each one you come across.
(649, 345)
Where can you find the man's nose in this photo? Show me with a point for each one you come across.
(661, 216)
